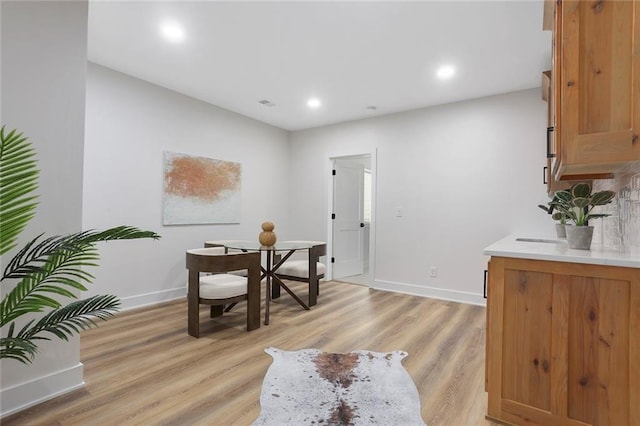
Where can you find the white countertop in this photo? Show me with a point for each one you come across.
(559, 251)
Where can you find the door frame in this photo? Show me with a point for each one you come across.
(372, 230)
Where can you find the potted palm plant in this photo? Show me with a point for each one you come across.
(46, 269)
(578, 204)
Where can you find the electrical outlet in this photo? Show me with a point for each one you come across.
(433, 271)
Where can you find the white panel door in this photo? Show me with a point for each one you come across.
(348, 231)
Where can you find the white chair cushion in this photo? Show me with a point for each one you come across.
(208, 251)
(299, 268)
(222, 286)
(215, 250)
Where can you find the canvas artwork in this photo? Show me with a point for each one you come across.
(199, 190)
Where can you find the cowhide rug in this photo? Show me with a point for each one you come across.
(311, 387)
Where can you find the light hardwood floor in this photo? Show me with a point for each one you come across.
(142, 368)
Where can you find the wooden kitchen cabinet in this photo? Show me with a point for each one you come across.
(549, 177)
(550, 180)
(563, 343)
(595, 87)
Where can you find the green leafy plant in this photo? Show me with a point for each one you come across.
(578, 203)
(46, 268)
(558, 215)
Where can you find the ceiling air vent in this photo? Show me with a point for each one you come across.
(267, 102)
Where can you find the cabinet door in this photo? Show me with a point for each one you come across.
(563, 343)
(526, 355)
(549, 177)
(597, 86)
(597, 373)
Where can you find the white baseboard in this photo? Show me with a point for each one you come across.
(148, 299)
(432, 292)
(27, 394)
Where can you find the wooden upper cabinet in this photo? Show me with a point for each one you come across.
(595, 86)
(549, 177)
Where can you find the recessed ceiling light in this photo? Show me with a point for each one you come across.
(445, 72)
(314, 103)
(172, 32)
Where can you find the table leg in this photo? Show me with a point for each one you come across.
(274, 283)
(275, 287)
(277, 261)
(268, 290)
(288, 290)
(275, 290)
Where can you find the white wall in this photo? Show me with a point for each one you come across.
(465, 174)
(43, 88)
(129, 124)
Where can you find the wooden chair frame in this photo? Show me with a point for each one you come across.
(197, 261)
(315, 253)
(218, 243)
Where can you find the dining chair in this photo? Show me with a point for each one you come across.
(220, 243)
(221, 246)
(221, 288)
(309, 270)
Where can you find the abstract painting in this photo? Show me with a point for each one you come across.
(199, 190)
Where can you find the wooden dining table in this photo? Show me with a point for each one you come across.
(269, 270)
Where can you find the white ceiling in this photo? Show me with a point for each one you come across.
(349, 54)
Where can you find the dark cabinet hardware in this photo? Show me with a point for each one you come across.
(485, 283)
(549, 153)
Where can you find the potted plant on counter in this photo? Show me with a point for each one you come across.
(559, 215)
(577, 204)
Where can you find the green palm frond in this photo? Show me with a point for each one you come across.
(55, 266)
(72, 318)
(18, 181)
(122, 233)
(57, 269)
(46, 269)
(19, 259)
(31, 258)
(19, 349)
(62, 323)
(23, 299)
